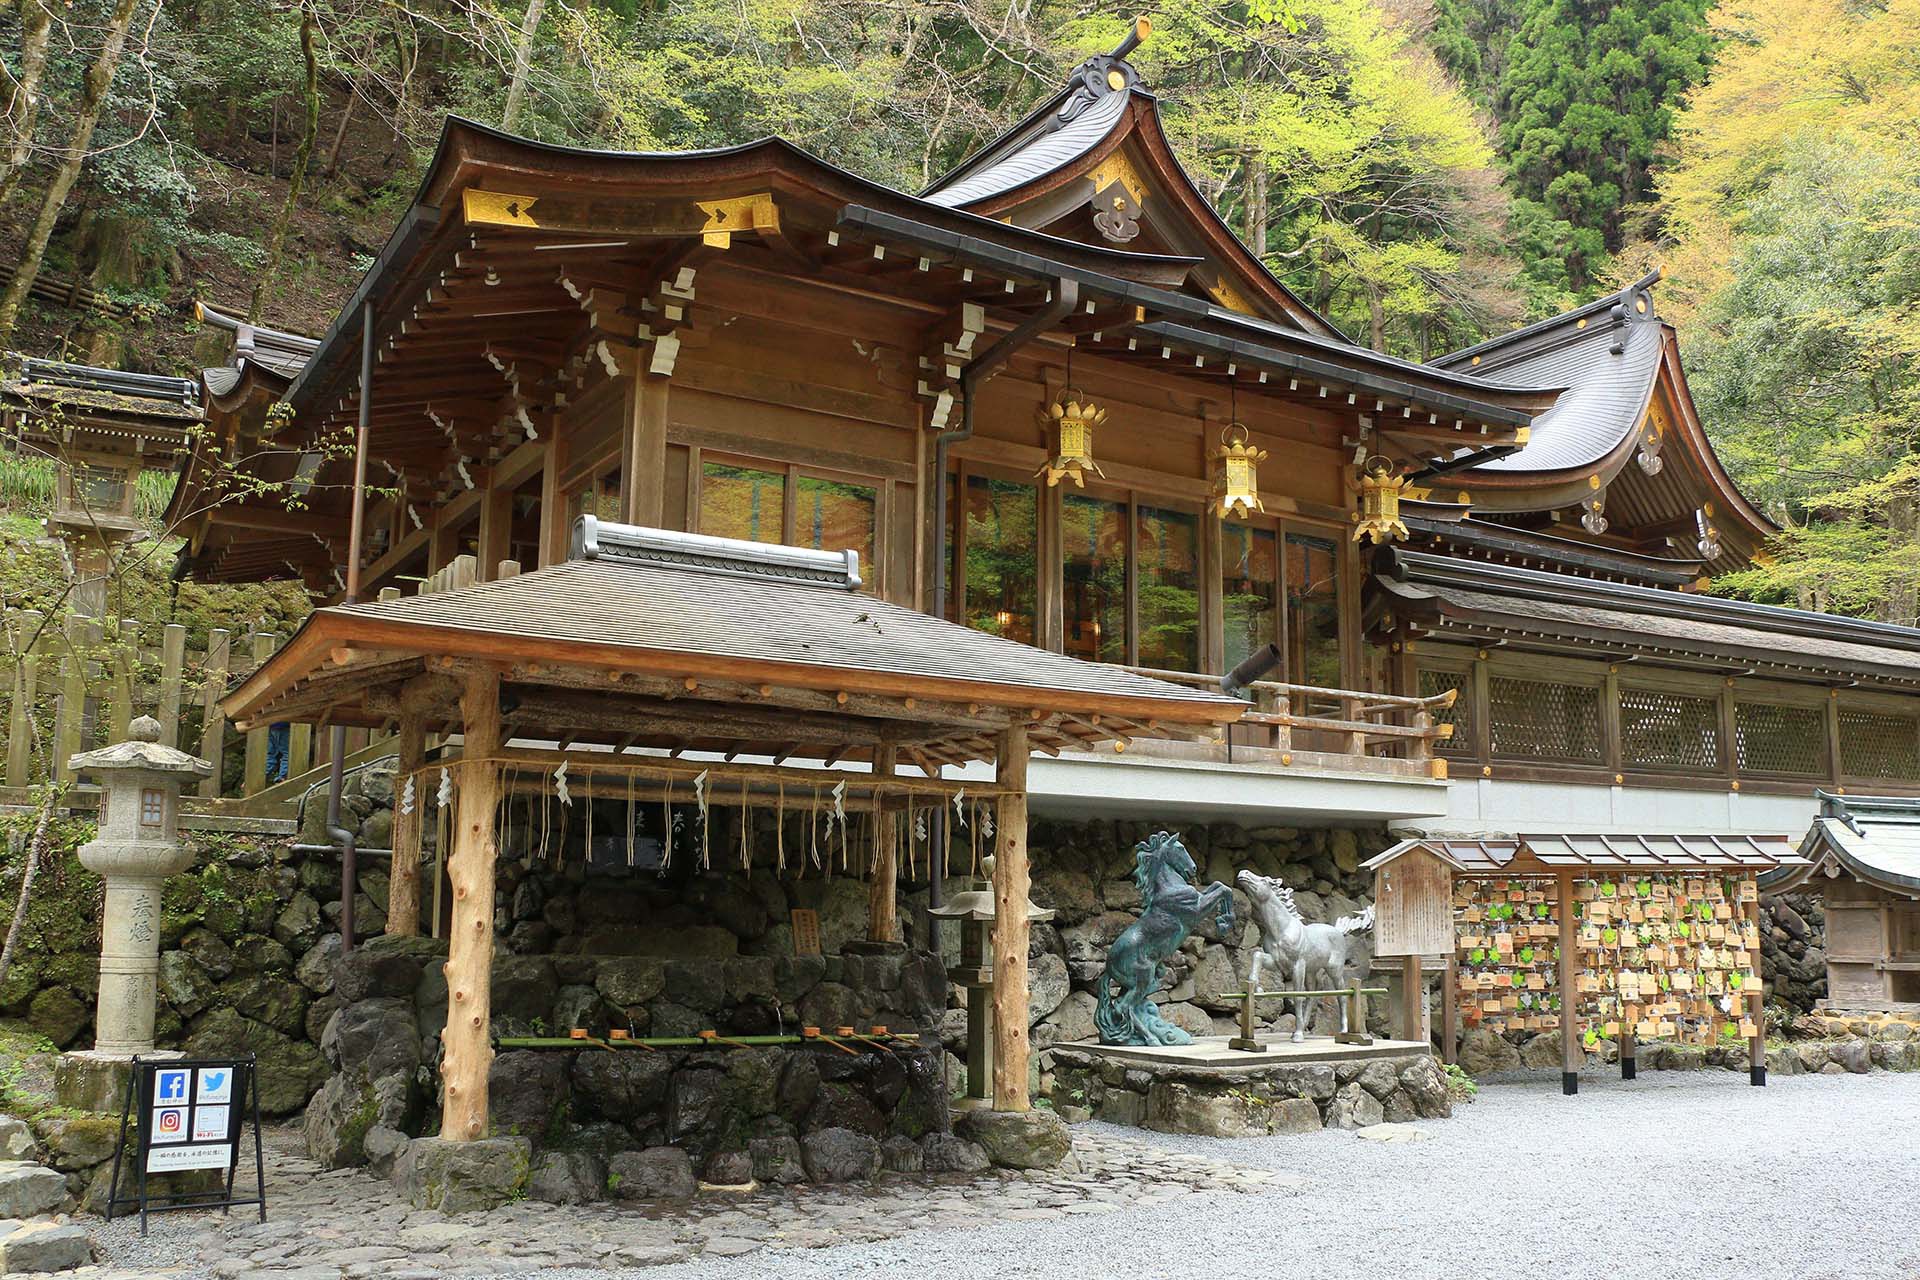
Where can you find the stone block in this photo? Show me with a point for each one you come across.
(568, 1177)
(92, 1082)
(16, 1139)
(1173, 1107)
(777, 1160)
(950, 1153)
(458, 1177)
(29, 1190)
(45, 1246)
(840, 1155)
(1017, 1139)
(658, 1173)
(1354, 1108)
(1293, 1115)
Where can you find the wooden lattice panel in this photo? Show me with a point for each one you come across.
(1772, 738)
(1874, 744)
(1539, 720)
(1669, 730)
(1459, 715)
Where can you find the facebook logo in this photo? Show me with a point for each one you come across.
(170, 1086)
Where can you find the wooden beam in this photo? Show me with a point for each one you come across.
(883, 922)
(1011, 897)
(467, 1052)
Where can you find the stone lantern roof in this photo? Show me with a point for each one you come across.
(142, 750)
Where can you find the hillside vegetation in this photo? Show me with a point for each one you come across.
(1426, 172)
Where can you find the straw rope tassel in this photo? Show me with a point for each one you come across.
(746, 821)
(780, 830)
(666, 827)
(631, 854)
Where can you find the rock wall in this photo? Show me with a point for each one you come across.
(729, 1114)
(1793, 935)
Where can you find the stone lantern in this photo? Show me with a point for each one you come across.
(137, 848)
(973, 907)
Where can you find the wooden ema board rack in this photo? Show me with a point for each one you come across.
(1671, 957)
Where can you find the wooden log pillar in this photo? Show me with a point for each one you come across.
(26, 676)
(69, 719)
(403, 886)
(1413, 990)
(554, 529)
(1572, 1056)
(255, 776)
(469, 969)
(1450, 1009)
(213, 725)
(173, 665)
(496, 530)
(883, 912)
(1011, 896)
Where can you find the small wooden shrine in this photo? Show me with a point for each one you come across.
(1863, 857)
(1622, 938)
(663, 668)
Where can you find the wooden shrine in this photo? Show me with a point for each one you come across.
(1863, 858)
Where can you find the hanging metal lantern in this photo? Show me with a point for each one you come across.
(1073, 419)
(1238, 487)
(1380, 491)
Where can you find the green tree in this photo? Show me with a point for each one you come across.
(1585, 98)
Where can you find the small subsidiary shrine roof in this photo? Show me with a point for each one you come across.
(657, 604)
(1530, 609)
(109, 398)
(1581, 852)
(1874, 839)
(278, 351)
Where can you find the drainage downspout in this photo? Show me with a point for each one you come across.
(1066, 299)
(337, 756)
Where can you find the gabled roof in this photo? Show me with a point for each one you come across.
(1625, 429)
(697, 611)
(1100, 140)
(1874, 839)
(103, 396)
(1586, 853)
(279, 351)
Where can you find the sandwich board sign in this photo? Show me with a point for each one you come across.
(184, 1117)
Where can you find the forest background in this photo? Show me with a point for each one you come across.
(1425, 172)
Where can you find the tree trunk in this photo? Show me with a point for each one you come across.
(522, 60)
(92, 98)
(36, 850)
(1256, 204)
(297, 180)
(21, 105)
(340, 133)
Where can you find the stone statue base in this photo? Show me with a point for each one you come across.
(88, 1080)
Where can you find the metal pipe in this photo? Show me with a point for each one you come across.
(337, 756)
(1066, 297)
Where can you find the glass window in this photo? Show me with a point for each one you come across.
(1002, 557)
(835, 515)
(102, 489)
(153, 807)
(1169, 585)
(741, 502)
(1313, 611)
(1249, 591)
(1093, 537)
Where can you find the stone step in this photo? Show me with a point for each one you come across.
(29, 1190)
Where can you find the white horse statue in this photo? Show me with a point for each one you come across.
(1324, 957)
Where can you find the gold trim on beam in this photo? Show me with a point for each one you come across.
(740, 213)
(498, 208)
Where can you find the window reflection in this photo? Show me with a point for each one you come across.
(1002, 557)
(1249, 591)
(741, 502)
(1094, 576)
(1313, 611)
(1169, 585)
(836, 515)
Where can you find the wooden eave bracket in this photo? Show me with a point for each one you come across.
(950, 344)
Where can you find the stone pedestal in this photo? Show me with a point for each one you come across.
(137, 848)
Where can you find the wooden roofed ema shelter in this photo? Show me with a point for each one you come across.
(1593, 936)
(670, 668)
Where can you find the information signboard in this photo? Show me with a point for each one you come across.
(184, 1116)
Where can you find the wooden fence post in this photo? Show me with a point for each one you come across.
(125, 661)
(213, 725)
(70, 718)
(173, 665)
(255, 778)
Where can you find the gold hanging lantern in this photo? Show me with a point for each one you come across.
(1380, 490)
(1073, 419)
(1238, 487)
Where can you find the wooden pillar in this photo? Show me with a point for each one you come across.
(173, 665)
(643, 471)
(403, 888)
(553, 503)
(1011, 896)
(467, 1053)
(883, 920)
(1629, 1066)
(1572, 1056)
(496, 530)
(1413, 986)
(1757, 1005)
(1450, 1009)
(213, 725)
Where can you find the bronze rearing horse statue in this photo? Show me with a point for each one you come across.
(1170, 904)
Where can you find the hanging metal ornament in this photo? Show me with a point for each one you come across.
(1238, 487)
(1072, 418)
(1380, 492)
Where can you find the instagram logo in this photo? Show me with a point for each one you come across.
(170, 1120)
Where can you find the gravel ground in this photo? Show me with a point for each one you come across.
(1672, 1174)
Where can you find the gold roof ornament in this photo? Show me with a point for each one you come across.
(1073, 418)
(1380, 491)
(1238, 486)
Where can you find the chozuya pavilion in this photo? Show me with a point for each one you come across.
(1089, 456)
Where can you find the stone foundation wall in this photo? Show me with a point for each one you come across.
(1250, 1101)
(730, 1114)
(1793, 948)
